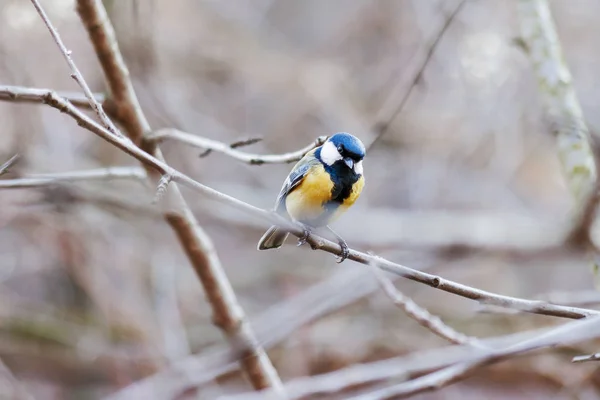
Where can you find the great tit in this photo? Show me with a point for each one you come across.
(320, 188)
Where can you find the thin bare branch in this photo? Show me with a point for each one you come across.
(40, 180)
(420, 314)
(563, 335)
(214, 145)
(75, 74)
(389, 111)
(481, 296)
(77, 99)
(227, 312)
(437, 282)
(9, 164)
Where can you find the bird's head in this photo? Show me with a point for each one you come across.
(346, 149)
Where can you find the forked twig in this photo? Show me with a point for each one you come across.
(230, 150)
(75, 74)
(420, 314)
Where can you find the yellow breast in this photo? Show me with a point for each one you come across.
(305, 203)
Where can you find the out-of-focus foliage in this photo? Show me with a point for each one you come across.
(92, 280)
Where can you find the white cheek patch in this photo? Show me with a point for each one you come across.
(329, 153)
(358, 168)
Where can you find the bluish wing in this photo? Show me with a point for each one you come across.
(294, 179)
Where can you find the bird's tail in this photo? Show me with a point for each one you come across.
(272, 239)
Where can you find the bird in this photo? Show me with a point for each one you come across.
(319, 189)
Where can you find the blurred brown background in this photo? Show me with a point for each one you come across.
(465, 182)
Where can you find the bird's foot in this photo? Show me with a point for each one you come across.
(345, 250)
(304, 239)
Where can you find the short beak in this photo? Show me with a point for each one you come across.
(349, 162)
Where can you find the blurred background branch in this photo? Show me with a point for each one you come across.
(563, 335)
(394, 103)
(421, 315)
(562, 107)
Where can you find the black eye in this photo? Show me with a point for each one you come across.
(340, 149)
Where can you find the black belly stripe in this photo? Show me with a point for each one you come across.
(343, 181)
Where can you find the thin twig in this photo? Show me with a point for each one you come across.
(75, 74)
(563, 335)
(383, 122)
(214, 145)
(77, 99)
(585, 358)
(227, 312)
(40, 180)
(420, 314)
(245, 142)
(9, 164)
(437, 282)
